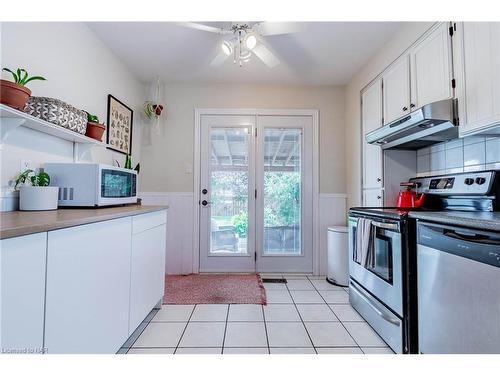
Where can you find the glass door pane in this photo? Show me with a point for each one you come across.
(229, 172)
(282, 191)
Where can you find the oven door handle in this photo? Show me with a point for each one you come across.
(374, 308)
(389, 226)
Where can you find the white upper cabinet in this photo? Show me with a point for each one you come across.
(431, 67)
(421, 76)
(396, 93)
(478, 69)
(371, 120)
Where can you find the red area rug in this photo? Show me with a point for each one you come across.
(214, 288)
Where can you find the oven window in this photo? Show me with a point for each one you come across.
(117, 184)
(382, 247)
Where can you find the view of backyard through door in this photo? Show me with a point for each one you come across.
(252, 194)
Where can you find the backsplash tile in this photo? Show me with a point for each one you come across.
(469, 154)
(493, 150)
(475, 154)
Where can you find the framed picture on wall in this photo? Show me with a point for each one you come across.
(119, 129)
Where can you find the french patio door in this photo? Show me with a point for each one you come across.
(256, 193)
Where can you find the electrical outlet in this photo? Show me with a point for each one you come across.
(25, 164)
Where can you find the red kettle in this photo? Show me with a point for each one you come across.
(408, 198)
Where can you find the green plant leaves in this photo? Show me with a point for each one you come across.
(37, 179)
(40, 179)
(16, 78)
(21, 76)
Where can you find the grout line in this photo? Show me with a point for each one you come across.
(265, 328)
(185, 327)
(225, 328)
(340, 321)
(302, 320)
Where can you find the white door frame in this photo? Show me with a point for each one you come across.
(198, 112)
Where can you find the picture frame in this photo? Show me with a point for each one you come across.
(120, 125)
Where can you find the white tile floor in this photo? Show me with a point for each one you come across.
(306, 315)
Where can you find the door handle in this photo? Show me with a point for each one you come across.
(386, 317)
(205, 203)
(389, 226)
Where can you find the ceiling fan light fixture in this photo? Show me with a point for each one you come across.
(250, 41)
(227, 48)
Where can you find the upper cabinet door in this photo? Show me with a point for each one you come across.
(371, 113)
(431, 68)
(478, 65)
(396, 80)
(371, 100)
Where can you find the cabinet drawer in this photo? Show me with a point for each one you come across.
(144, 222)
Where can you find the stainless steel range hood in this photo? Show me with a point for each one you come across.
(433, 123)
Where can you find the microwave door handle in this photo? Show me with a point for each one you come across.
(374, 308)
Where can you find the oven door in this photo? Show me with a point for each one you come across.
(384, 280)
(117, 186)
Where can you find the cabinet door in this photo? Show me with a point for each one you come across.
(396, 91)
(479, 63)
(431, 68)
(88, 287)
(371, 102)
(373, 198)
(22, 261)
(147, 273)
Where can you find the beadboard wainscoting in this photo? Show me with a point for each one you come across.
(179, 253)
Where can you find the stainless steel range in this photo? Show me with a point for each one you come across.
(383, 282)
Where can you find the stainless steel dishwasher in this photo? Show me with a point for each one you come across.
(458, 290)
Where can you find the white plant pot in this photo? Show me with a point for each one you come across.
(38, 198)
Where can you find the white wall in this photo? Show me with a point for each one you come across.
(168, 156)
(402, 39)
(81, 71)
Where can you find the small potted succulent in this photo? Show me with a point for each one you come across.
(38, 196)
(94, 128)
(15, 94)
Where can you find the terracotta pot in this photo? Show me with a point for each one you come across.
(95, 130)
(13, 95)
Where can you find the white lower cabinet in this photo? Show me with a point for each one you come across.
(22, 267)
(147, 266)
(373, 198)
(88, 285)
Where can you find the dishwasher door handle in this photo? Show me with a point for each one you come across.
(384, 316)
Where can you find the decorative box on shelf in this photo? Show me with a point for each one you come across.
(57, 112)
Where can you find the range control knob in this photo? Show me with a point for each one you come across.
(480, 180)
(469, 181)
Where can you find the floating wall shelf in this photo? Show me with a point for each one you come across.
(11, 119)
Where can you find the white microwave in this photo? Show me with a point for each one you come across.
(92, 184)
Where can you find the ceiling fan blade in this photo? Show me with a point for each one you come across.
(277, 28)
(202, 27)
(263, 53)
(219, 59)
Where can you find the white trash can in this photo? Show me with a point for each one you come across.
(338, 256)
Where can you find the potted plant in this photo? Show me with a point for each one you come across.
(128, 164)
(38, 196)
(15, 94)
(94, 128)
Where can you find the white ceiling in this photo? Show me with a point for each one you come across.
(321, 53)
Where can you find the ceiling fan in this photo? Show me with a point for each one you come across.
(242, 40)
